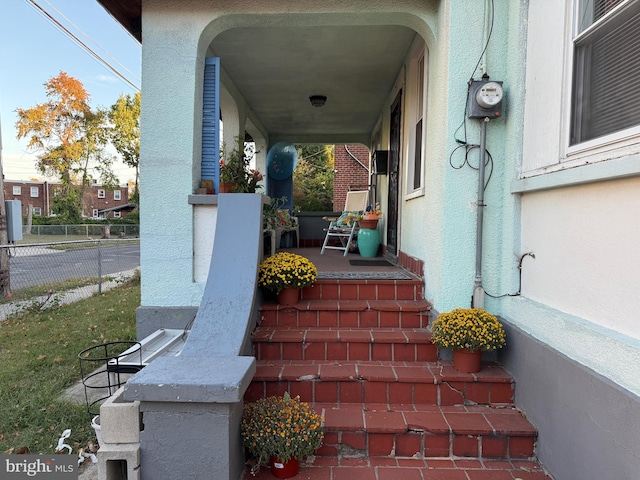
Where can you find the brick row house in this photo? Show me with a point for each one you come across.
(39, 194)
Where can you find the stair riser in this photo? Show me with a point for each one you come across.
(387, 393)
(343, 319)
(423, 444)
(362, 290)
(408, 352)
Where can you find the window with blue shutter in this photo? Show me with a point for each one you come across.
(210, 164)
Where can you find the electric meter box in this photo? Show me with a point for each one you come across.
(13, 209)
(485, 99)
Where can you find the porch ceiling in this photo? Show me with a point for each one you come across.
(276, 69)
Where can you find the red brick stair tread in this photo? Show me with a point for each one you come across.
(402, 468)
(341, 334)
(353, 305)
(430, 372)
(475, 420)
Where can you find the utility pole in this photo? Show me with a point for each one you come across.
(5, 280)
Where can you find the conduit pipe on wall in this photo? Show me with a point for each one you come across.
(478, 290)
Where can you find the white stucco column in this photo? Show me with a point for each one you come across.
(170, 160)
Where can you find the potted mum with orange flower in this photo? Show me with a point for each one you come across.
(280, 431)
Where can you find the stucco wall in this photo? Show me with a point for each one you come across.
(587, 252)
(440, 227)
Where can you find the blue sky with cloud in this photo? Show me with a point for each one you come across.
(32, 50)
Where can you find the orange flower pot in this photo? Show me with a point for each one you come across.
(288, 296)
(468, 361)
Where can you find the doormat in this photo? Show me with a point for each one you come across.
(395, 275)
(371, 263)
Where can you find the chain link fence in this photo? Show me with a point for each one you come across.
(63, 233)
(61, 272)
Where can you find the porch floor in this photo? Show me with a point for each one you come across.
(335, 261)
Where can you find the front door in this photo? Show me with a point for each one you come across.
(394, 176)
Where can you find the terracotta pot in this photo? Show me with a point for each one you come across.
(284, 470)
(288, 296)
(227, 187)
(369, 224)
(468, 361)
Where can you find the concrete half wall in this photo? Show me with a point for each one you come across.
(589, 427)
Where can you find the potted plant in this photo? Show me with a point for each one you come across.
(280, 431)
(469, 332)
(371, 216)
(235, 174)
(285, 274)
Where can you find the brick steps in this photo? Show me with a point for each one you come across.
(382, 382)
(358, 351)
(403, 468)
(348, 314)
(346, 289)
(366, 344)
(425, 431)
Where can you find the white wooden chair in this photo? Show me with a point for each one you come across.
(345, 227)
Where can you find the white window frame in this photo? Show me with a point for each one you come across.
(101, 193)
(117, 214)
(17, 190)
(94, 213)
(37, 211)
(597, 146)
(418, 78)
(34, 192)
(117, 195)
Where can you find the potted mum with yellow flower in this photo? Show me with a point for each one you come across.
(280, 431)
(468, 332)
(285, 274)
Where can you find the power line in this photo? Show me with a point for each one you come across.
(83, 45)
(92, 40)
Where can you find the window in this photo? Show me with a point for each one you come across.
(94, 213)
(35, 192)
(37, 211)
(116, 214)
(606, 69)
(417, 161)
(101, 193)
(416, 121)
(17, 190)
(117, 194)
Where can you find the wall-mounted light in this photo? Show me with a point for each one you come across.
(318, 100)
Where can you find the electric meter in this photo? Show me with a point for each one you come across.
(489, 95)
(485, 99)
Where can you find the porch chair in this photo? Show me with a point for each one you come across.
(275, 232)
(345, 227)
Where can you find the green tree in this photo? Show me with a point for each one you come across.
(68, 207)
(67, 134)
(313, 178)
(125, 133)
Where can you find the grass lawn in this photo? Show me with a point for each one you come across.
(39, 359)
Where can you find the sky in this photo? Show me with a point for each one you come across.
(33, 50)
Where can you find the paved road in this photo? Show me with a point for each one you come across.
(42, 265)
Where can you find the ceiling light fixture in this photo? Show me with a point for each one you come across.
(318, 100)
